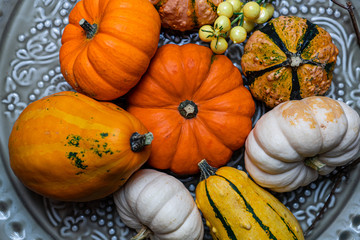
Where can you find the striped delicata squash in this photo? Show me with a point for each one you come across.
(236, 208)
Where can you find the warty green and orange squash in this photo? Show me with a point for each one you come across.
(70, 147)
(295, 142)
(235, 207)
(196, 106)
(290, 58)
(107, 46)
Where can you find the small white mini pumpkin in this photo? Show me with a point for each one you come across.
(159, 205)
(296, 141)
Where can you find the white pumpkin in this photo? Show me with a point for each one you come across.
(296, 141)
(160, 204)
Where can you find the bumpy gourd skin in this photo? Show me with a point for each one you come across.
(236, 208)
(186, 15)
(69, 147)
(289, 58)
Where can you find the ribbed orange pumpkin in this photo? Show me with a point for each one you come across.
(107, 46)
(196, 106)
(186, 15)
(69, 147)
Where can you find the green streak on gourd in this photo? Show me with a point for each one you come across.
(98, 148)
(104, 135)
(73, 140)
(250, 209)
(207, 171)
(283, 220)
(101, 152)
(218, 215)
(212, 5)
(77, 161)
(193, 14)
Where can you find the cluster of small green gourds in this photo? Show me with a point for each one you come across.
(235, 20)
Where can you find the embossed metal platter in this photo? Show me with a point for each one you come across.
(30, 34)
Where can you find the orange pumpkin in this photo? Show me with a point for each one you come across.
(69, 147)
(196, 106)
(290, 58)
(186, 15)
(107, 46)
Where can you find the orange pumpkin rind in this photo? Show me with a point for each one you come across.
(102, 53)
(196, 106)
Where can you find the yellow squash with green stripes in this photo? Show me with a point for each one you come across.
(236, 208)
(70, 147)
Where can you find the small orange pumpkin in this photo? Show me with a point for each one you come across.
(107, 46)
(196, 106)
(186, 15)
(290, 58)
(69, 147)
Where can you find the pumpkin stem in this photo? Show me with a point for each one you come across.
(206, 170)
(138, 141)
(90, 30)
(144, 233)
(314, 163)
(188, 109)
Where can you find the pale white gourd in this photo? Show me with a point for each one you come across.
(296, 141)
(161, 204)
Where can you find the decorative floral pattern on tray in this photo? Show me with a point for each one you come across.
(30, 70)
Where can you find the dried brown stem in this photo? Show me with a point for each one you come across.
(350, 8)
(342, 172)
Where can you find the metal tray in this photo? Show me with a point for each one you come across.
(30, 34)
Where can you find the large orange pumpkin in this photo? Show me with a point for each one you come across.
(107, 46)
(196, 106)
(69, 147)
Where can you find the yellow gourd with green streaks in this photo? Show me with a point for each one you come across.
(236, 208)
(70, 147)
